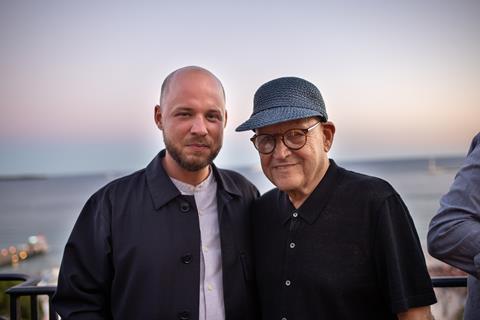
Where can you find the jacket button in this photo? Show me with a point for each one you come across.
(184, 315)
(184, 206)
(187, 258)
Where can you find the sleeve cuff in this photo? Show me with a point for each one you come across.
(476, 262)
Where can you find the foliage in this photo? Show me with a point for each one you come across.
(5, 301)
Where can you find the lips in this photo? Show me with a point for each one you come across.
(198, 142)
(283, 165)
(198, 146)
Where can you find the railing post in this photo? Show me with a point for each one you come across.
(14, 305)
(33, 307)
(51, 309)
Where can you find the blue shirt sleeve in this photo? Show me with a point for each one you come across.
(454, 233)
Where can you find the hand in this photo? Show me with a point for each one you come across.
(420, 313)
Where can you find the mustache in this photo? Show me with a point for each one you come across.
(197, 141)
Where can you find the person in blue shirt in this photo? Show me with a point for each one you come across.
(454, 233)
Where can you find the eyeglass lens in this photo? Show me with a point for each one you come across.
(293, 139)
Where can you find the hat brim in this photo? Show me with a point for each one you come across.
(277, 115)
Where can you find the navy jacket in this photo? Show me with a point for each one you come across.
(134, 252)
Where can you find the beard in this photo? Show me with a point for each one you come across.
(191, 163)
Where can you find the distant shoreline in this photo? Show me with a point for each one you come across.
(23, 177)
(447, 162)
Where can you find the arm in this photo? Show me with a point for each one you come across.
(454, 233)
(400, 264)
(83, 290)
(421, 313)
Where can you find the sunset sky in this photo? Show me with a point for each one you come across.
(79, 79)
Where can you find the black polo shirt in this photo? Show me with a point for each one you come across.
(350, 251)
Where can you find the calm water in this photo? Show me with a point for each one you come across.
(51, 206)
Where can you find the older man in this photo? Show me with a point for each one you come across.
(329, 243)
(171, 241)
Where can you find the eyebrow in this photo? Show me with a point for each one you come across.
(188, 108)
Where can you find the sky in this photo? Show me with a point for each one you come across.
(79, 79)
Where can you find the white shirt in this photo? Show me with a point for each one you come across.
(211, 283)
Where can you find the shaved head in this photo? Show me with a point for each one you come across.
(192, 117)
(171, 77)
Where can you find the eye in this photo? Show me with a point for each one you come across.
(214, 116)
(295, 136)
(265, 139)
(182, 114)
(294, 133)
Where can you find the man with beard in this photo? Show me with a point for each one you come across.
(171, 241)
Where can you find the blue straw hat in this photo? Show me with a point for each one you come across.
(284, 99)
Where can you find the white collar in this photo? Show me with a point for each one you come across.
(188, 189)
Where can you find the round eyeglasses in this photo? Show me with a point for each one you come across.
(293, 139)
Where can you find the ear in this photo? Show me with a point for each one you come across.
(157, 116)
(226, 117)
(328, 129)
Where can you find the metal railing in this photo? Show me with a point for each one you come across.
(449, 282)
(30, 289)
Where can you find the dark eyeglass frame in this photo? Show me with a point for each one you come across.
(282, 137)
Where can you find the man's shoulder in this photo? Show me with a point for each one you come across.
(269, 198)
(122, 183)
(476, 139)
(231, 173)
(365, 184)
(232, 177)
(474, 150)
(273, 193)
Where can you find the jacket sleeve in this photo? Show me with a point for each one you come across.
(454, 233)
(84, 282)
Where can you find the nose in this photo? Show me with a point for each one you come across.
(198, 126)
(281, 151)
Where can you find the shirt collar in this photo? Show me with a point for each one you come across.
(317, 201)
(163, 190)
(188, 189)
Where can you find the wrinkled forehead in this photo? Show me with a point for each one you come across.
(287, 125)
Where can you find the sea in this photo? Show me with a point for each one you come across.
(49, 205)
